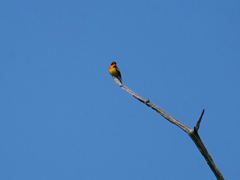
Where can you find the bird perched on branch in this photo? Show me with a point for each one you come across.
(114, 71)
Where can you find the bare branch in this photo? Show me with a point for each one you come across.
(197, 140)
(192, 133)
(199, 121)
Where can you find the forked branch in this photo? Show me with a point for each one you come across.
(192, 133)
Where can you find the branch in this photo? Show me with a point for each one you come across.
(199, 121)
(192, 133)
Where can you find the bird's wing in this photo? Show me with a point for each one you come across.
(119, 73)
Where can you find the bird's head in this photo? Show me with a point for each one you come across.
(114, 63)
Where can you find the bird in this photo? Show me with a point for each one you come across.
(114, 71)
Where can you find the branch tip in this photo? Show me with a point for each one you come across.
(199, 121)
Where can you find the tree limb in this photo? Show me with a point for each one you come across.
(192, 133)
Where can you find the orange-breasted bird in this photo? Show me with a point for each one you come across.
(115, 72)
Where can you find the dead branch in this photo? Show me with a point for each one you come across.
(192, 133)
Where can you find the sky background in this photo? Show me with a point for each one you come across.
(63, 117)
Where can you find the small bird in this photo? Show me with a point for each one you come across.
(114, 71)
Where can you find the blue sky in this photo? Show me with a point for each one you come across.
(63, 117)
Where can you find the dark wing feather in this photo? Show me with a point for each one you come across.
(119, 73)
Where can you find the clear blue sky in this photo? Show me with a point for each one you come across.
(63, 117)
